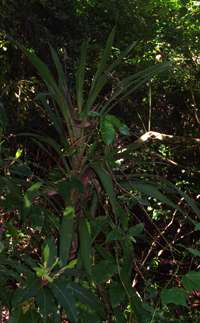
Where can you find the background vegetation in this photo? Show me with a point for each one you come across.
(99, 144)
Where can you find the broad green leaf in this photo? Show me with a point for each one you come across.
(136, 230)
(66, 233)
(104, 271)
(107, 132)
(85, 244)
(65, 187)
(65, 299)
(22, 294)
(113, 120)
(85, 296)
(175, 296)
(191, 281)
(197, 227)
(137, 306)
(37, 216)
(124, 130)
(117, 294)
(18, 316)
(194, 252)
(21, 170)
(115, 234)
(15, 315)
(46, 303)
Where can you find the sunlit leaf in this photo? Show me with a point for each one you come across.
(107, 132)
(18, 153)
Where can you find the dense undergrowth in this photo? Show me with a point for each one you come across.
(99, 168)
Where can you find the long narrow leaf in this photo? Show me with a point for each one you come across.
(100, 78)
(59, 68)
(66, 233)
(104, 59)
(85, 296)
(65, 298)
(42, 70)
(130, 84)
(85, 244)
(107, 184)
(53, 88)
(80, 76)
(61, 78)
(45, 301)
(39, 140)
(53, 116)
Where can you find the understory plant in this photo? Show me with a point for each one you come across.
(83, 234)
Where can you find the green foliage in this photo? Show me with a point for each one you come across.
(173, 295)
(95, 227)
